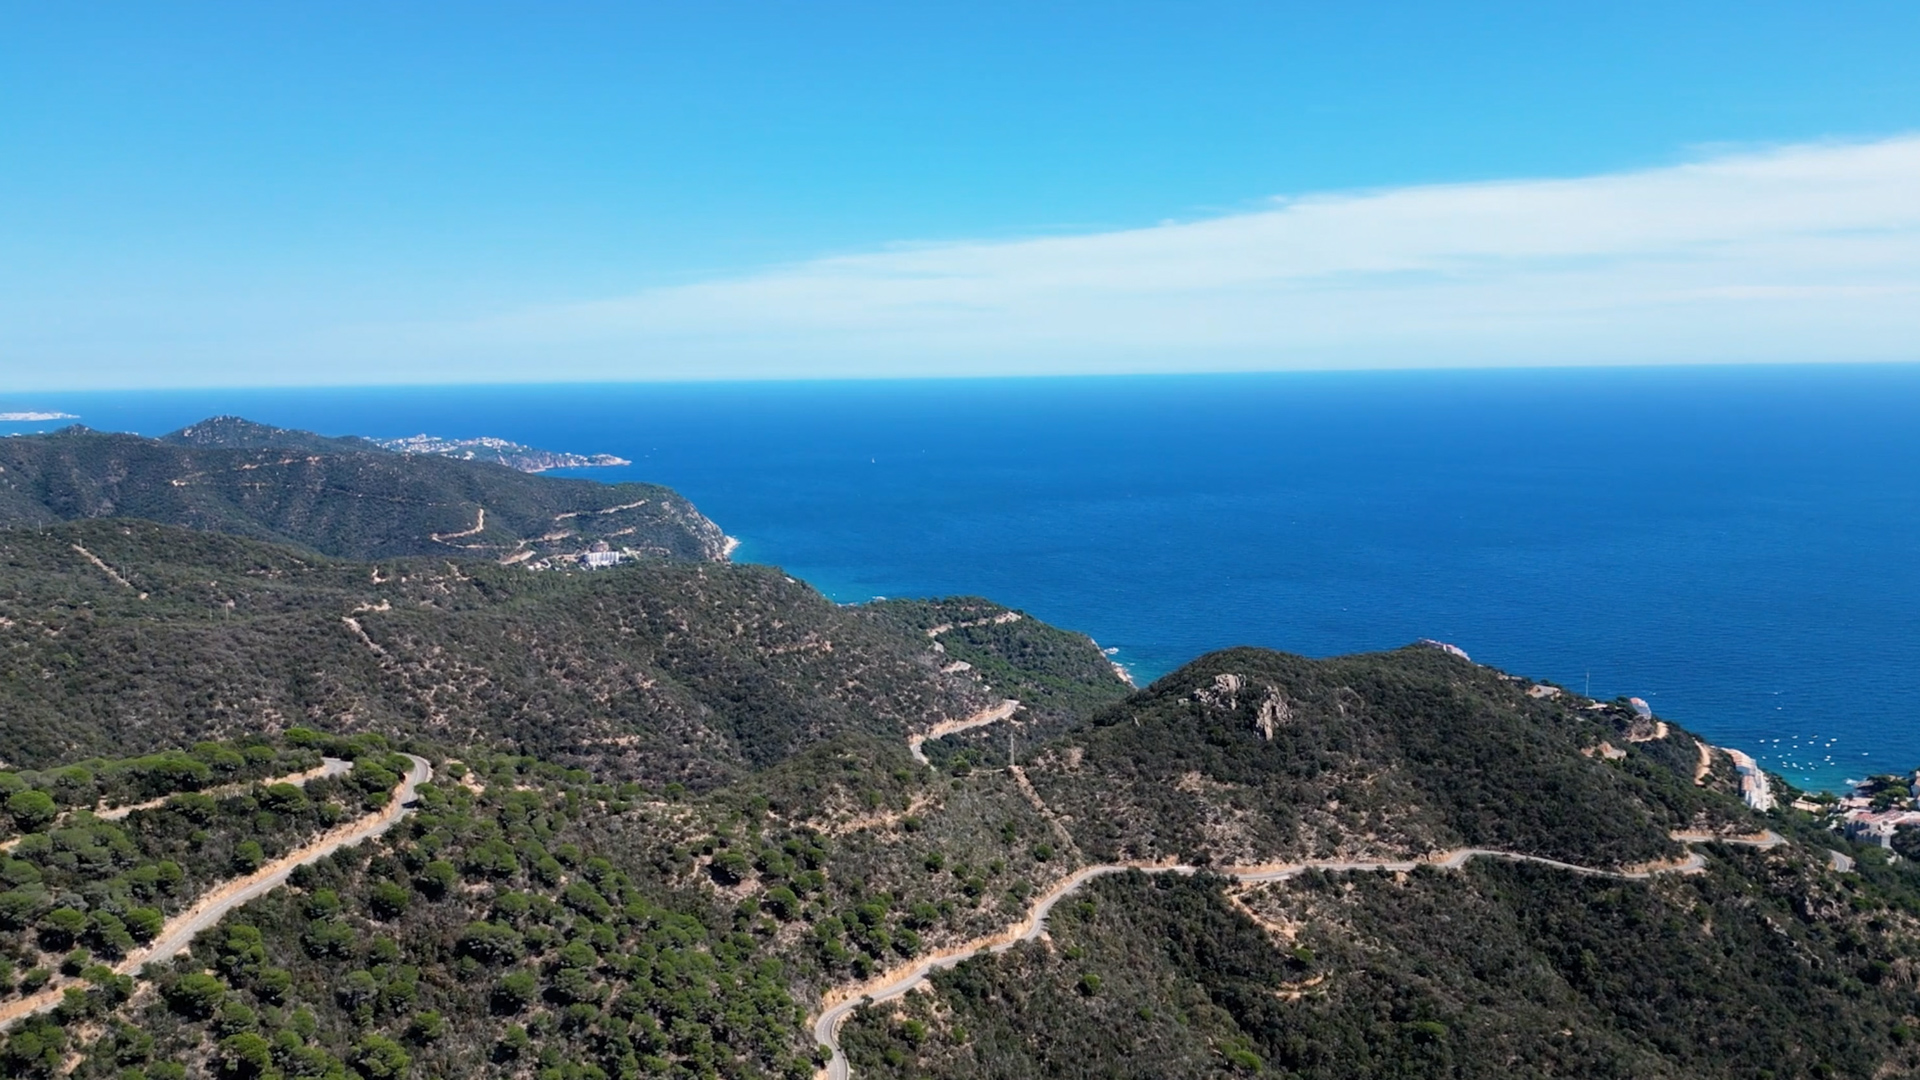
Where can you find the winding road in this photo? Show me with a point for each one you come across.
(838, 1005)
(217, 903)
(948, 727)
(328, 767)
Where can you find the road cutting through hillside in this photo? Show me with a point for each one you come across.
(836, 1006)
(217, 903)
(327, 767)
(948, 727)
(479, 526)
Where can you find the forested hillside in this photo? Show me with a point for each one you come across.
(666, 814)
(342, 497)
(1250, 756)
(1765, 966)
(122, 635)
(490, 936)
(1058, 676)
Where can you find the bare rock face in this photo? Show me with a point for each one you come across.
(1223, 694)
(1272, 712)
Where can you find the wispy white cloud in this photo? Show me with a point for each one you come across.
(1802, 253)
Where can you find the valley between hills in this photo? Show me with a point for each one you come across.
(324, 760)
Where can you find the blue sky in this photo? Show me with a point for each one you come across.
(302, 193)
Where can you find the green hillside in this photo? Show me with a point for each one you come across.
(1058, 676)
(670, 671)
(669, 812)
(341, 497)
(1250, 756)
(1767, 966)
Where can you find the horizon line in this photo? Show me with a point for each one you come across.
(820, 380)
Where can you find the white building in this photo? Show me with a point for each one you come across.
(1753, 780)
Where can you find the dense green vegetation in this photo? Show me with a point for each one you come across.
(480, 932)
(1763, 967)
(908, 857)
(675, 805)
(238, 433)
(532, 917)
(343, 497)
(1058, 676)
(106, 783)
(81, 885)
(1245, 756)
(669, 671)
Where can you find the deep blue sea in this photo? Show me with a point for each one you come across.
(1740, 546)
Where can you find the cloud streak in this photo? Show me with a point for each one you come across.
(1801, 253)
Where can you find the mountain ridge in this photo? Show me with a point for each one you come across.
(342, 497)
(678, 806)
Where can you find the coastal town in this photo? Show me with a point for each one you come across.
(1878, 808)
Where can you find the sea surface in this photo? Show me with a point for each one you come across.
(1739, 546)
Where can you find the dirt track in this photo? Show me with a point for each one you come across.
(947, 727)
(838, 1005)
(327, 767)
(214, 906)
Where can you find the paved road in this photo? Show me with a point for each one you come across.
(826, 1028)
(215, 905)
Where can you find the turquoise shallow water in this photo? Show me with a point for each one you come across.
(1736, 545)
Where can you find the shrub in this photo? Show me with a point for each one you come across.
(515, 991)
(427, 1027)
(490, 943)
(782, 902)
(379, 1058)
(32, 810)
(248, 856)
(144, 923)
(61, 927)
(197, 996)
(729, 867)
(436, 879)
(283, 798)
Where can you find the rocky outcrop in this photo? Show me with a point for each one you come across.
(1270, 712)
